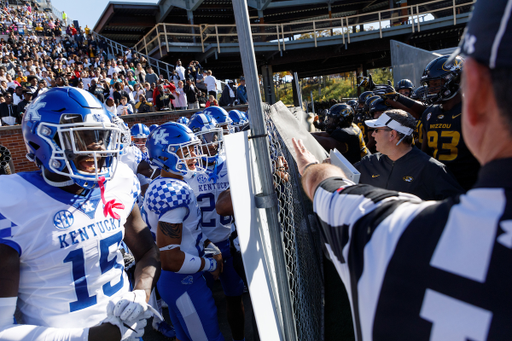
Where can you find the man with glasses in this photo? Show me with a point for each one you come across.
(399, 165)
(8, 113)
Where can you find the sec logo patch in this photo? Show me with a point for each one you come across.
(408, 178)
(202, 178)
(63, 219)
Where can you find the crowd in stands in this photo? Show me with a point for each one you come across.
(42, 52)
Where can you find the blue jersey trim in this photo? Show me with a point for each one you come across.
(12, 244)
(76, 200)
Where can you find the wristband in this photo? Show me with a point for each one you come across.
(210, 264)
(308, 165)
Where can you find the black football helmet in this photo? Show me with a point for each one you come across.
(340, 115)
(404, 84)
(364, 96)
(376, 104)
(448, 73)
(369, 100)
(419, 93)
(353, 103)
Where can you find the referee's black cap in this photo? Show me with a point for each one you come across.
(488, 35)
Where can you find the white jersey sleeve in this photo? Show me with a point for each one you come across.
(70, 265)
(166, 194)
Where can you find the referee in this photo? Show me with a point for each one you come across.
(433, 270)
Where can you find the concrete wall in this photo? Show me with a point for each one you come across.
(11, 136)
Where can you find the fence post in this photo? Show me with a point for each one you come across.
(454, 14)
(418, 16)
(217, 35)
(412, 18)
(282, 32)
(166, 41)
(342, 32)
(278, 40)
(380, 26)
(348, 30)
(258, 128)
(314, 32)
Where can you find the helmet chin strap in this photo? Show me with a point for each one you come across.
(57, 184)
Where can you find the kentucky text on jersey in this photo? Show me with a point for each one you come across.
(210, 187)
(82, 234)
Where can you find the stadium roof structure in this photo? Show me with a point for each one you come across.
(205, 30)
(127, 22)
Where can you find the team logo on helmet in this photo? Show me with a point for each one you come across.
(63, 219)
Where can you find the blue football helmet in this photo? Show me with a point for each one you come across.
(222, 117)
(174, 148)
(183, 120)
(67, 131)
(240, 121)
(125, 130)
(209, 133)
(140, 132)
(152, 127)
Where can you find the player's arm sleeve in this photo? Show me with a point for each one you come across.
(174, 216)
(349, 214)
(23, 332)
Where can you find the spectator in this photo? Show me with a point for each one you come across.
(201, 99)
(124, 107)
(151, 77)
(143, 105)
(17, 96)
(210, 82)
(192, 93)
(211, 102)
(8, 113)
(20, 108)
(180, 70)
(180, 102)
(162, 97)
(228, 95)
(241, 91)
(111, 105)
(140, 73)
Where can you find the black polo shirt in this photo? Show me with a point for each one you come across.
(415, 173)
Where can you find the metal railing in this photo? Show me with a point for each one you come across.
(207, 36)
(114, 48)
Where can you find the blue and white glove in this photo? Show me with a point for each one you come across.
(130, 306)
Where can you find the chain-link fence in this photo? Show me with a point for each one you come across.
(301, 242)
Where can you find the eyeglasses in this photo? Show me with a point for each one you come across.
(385, 129)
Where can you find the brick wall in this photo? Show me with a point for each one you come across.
(12, 138)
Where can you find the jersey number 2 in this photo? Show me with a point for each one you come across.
(209, 208)
(76, 258)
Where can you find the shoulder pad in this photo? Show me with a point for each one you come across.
(14, 192)
(166, 194)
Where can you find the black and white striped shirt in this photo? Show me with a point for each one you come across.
(424, 270)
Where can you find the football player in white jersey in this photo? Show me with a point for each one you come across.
(132, 156)
(171, 210)
(217, 228)
(60, 229)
